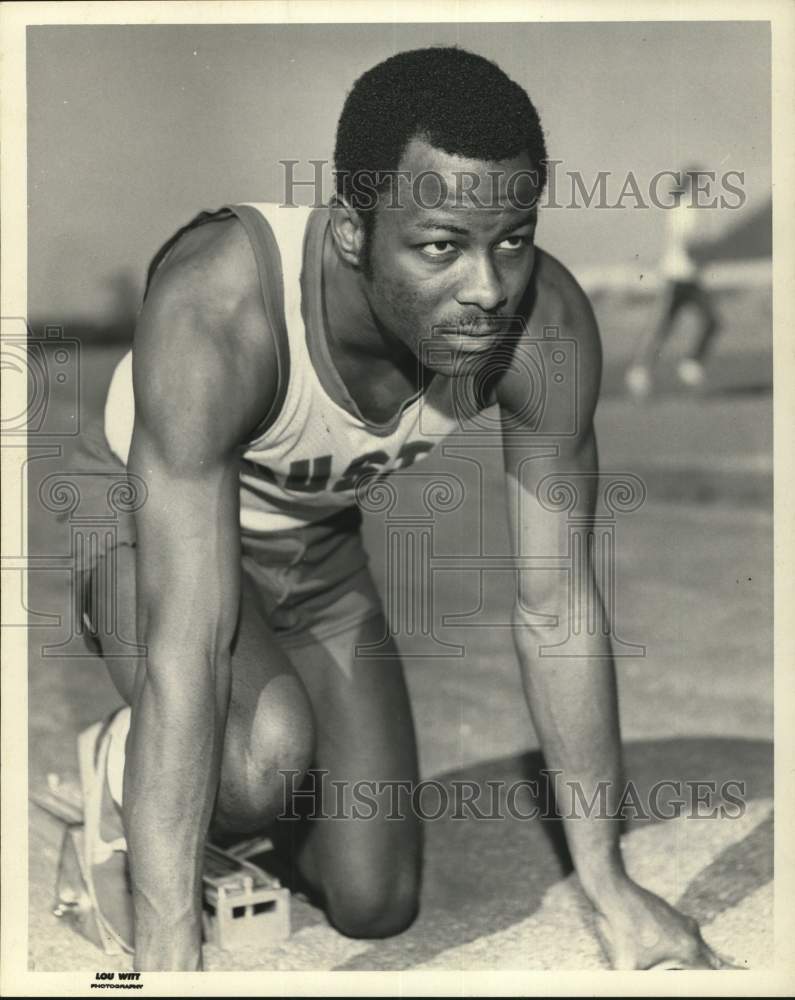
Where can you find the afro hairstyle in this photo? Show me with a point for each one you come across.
(455, 100)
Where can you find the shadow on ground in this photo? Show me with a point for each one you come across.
(482, 876)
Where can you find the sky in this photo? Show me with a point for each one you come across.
(133, 129)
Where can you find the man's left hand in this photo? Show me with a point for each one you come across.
(641, 931)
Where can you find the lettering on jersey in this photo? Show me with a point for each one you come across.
(309, 475)
(411, 451)
(368, 465)
(260, 471)
(313, 475)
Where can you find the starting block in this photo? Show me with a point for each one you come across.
(244, 906)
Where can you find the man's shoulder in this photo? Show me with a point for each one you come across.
(207, 293)
(211, 270)
(560, 310)
(203, 335)
(560, 300)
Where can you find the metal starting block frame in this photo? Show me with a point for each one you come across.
(244, 906)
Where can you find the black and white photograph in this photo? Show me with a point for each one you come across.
(388, 486)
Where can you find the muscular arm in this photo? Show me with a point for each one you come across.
(572, 698)
(196, 399)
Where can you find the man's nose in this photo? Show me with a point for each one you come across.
(482, 286)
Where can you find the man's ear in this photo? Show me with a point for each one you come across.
(347, 228)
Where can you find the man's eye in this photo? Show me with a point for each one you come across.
(441, 248)
(516, 242)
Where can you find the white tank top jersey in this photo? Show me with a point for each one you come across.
(312, 449)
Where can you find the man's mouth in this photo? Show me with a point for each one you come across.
(481, 330)
(474, 340)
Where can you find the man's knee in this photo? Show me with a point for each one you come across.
(283, 736)
(376, 906)
(267, 751)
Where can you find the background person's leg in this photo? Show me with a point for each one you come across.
(638, 377)
(690, 368)
(709, 322)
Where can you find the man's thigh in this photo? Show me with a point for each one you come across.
(316, 591)
(363, 848)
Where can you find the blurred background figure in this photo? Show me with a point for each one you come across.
(682, 287)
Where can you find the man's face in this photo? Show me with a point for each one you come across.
(443, 279)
